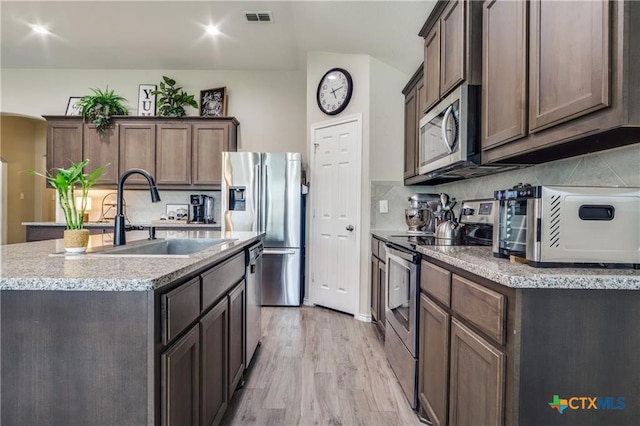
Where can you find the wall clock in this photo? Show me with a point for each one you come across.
(334, 91)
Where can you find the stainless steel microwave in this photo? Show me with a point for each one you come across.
(549, 225)
(449, 133)
(449, 138)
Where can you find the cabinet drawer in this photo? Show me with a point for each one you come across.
(436, 282)
(217, 281)
(374, 247)
(180, 307)
(483, 307)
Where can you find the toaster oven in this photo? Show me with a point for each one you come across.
(552, 225)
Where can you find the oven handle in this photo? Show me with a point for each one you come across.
(395, 250)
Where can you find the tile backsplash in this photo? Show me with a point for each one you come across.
(616, 167)
(138, 205)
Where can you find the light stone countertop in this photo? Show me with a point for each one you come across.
(110, 224)
(480, 261)
(42, 265)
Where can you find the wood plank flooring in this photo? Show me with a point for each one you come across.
(319, 367)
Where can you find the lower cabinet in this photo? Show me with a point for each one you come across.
(214, 334)
(181, 381)
(378, 284)
(200, 369)
(461, 372)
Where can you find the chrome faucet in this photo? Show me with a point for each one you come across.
(118, 233)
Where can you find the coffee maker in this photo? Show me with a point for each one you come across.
(202, 208)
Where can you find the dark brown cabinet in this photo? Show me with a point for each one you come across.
(214, 329)
(504, 88)
(476, 383)
(180, 374)
(456, 362)
(559, 79)
(452, 48)
(433, 367)
(414, 108)
(173, 154)
(236, 335)
(101, 150)
(64, 142)
(378, 283)
(181, 153)
(137, 149)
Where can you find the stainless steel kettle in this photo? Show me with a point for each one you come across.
(448, 231)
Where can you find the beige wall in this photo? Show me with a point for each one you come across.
(268, 104)
(19, 136)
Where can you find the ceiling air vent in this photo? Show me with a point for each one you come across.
(259, 16)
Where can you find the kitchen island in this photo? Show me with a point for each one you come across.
(534, 342)
(103, 340)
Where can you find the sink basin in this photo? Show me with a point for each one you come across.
(173, 247)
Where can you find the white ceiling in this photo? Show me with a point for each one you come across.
(169, 35)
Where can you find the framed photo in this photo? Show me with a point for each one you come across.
(72, 106)
(213, 102)
(146, 100)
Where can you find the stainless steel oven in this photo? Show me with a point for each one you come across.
(401, 331)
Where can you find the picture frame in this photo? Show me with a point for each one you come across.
(147, 101)
(213, 102)
(72, 106)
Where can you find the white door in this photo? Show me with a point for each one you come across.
(335, 215)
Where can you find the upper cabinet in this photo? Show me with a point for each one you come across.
(413, 112)
(559, 78)
(452, 48)
(180, 153)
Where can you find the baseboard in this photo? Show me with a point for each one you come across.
(363, 317)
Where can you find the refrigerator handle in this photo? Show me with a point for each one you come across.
(257, 198)
(264, 200)
(267, 251)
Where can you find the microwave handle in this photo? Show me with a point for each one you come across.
(443, 129)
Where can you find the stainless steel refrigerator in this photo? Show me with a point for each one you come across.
(262, 191)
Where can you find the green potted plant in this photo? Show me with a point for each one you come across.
(100, 106)
(66, 182)
(173, 99)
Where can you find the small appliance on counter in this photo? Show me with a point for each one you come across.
(419, 217)
(476, 219)
(202, 206)
(555, 225)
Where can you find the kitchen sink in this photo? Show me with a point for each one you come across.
(174, 247)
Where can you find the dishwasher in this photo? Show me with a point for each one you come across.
(253, 320)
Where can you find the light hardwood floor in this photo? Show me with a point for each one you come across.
(319, 367)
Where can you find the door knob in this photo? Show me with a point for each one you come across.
(350, 228)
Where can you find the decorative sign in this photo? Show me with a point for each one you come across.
(147, 101)
(213, 102)
(72, 106)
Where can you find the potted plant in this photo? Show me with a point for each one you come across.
(100, 106)
(173, 99)
(66, 182)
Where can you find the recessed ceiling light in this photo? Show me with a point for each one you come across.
(212, 30)
(39, 29)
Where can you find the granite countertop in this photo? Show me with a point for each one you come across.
(480, 261)
(155, 224)
(42, 265)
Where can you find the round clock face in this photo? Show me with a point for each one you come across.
(334, 91)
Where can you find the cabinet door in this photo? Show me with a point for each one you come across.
(375, 288)
(214, 329)
(504, 94)
(410, 133)
(421, 102)
(236, 335)
(432, 66)
(180, 381)
(476, 383)
(173, 154)
(209, 140)
(569, 60)
(382, 305)
(64, 143)
(433, 369)
(452, 36)
(138, 149)
(102, 150)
